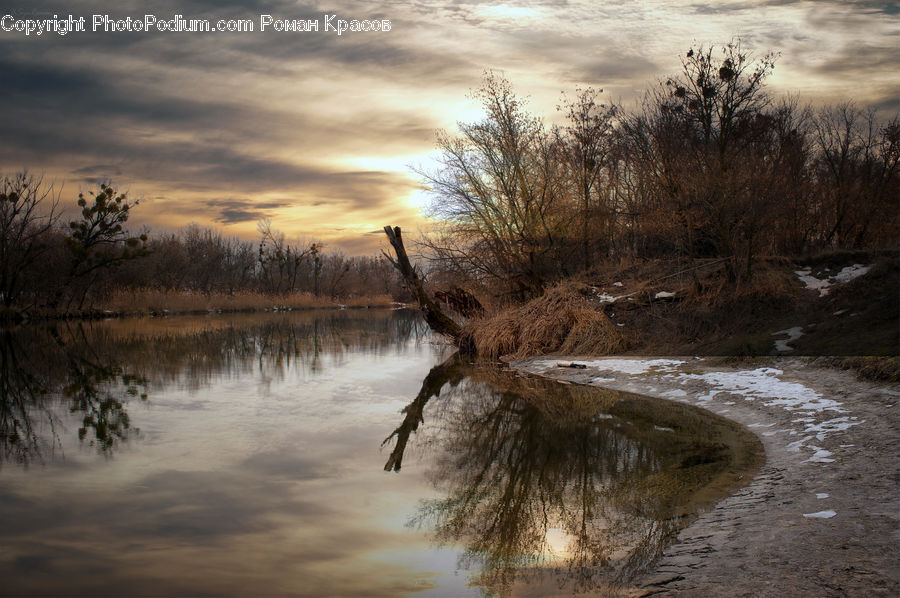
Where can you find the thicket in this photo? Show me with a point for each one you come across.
(709, 165)
(57, 267)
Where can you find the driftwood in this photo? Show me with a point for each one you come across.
(436, 319)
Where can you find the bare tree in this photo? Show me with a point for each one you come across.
(498, 191)
(701, 136)
(585, 144)
(279, 261)
(859, 167)
(28, 213)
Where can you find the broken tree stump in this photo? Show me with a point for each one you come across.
(436, 319)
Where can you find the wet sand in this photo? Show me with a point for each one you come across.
(822, 517)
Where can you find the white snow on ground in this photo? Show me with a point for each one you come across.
(624, 366)
(813, 417)
(838, 424)
(798, 444)
(822, 285)
(663, 295)
(633, 366)
(821, 515)
(604, 298)
(813, 283)
(763, 383)
(821, 455)
(792, 335)
(850, 272)
(821, 495)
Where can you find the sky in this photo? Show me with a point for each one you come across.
(322, 132)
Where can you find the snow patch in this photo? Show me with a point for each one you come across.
(837, 424)
(821, 495)
(820, 515)
(763, 383)
(663, 295)
(850, 272)
(820, 456)
(634, 366)
(812, 283)
(822, 285)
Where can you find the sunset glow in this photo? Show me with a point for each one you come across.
(318, 130)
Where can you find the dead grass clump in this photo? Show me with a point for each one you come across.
(561, 320)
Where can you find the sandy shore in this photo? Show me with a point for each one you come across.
(822, 517)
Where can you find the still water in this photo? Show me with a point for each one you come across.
(329, 454)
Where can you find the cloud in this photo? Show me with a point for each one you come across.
(860, 60)
(242, 210)
(280, 117)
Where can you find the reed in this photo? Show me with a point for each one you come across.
(148, 301)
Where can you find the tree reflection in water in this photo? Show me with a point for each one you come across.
(44, 369)
(96, 369)
(585, 484)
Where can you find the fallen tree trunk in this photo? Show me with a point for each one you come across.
(436, 319)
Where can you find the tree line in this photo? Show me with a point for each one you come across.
(708, 165)
(47, 263)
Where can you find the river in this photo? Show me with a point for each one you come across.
(329, 453)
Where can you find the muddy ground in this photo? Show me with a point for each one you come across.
(822, 517)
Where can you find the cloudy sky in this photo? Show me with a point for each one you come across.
(317, 131)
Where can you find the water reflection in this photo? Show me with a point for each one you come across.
(584, 484)
(39, 368)
(94, 370)
(240, 456)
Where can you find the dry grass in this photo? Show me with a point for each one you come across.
(145, 301)
(561, 320)
(369, 301)
(877, 368)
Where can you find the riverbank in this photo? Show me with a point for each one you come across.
(822, 518)
(158, 303)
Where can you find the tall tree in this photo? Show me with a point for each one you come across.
(585, 143)
(28, 213)
(99, 241)
(498, 192)
(702, 133)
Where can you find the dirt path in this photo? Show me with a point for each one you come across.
(821, 519)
